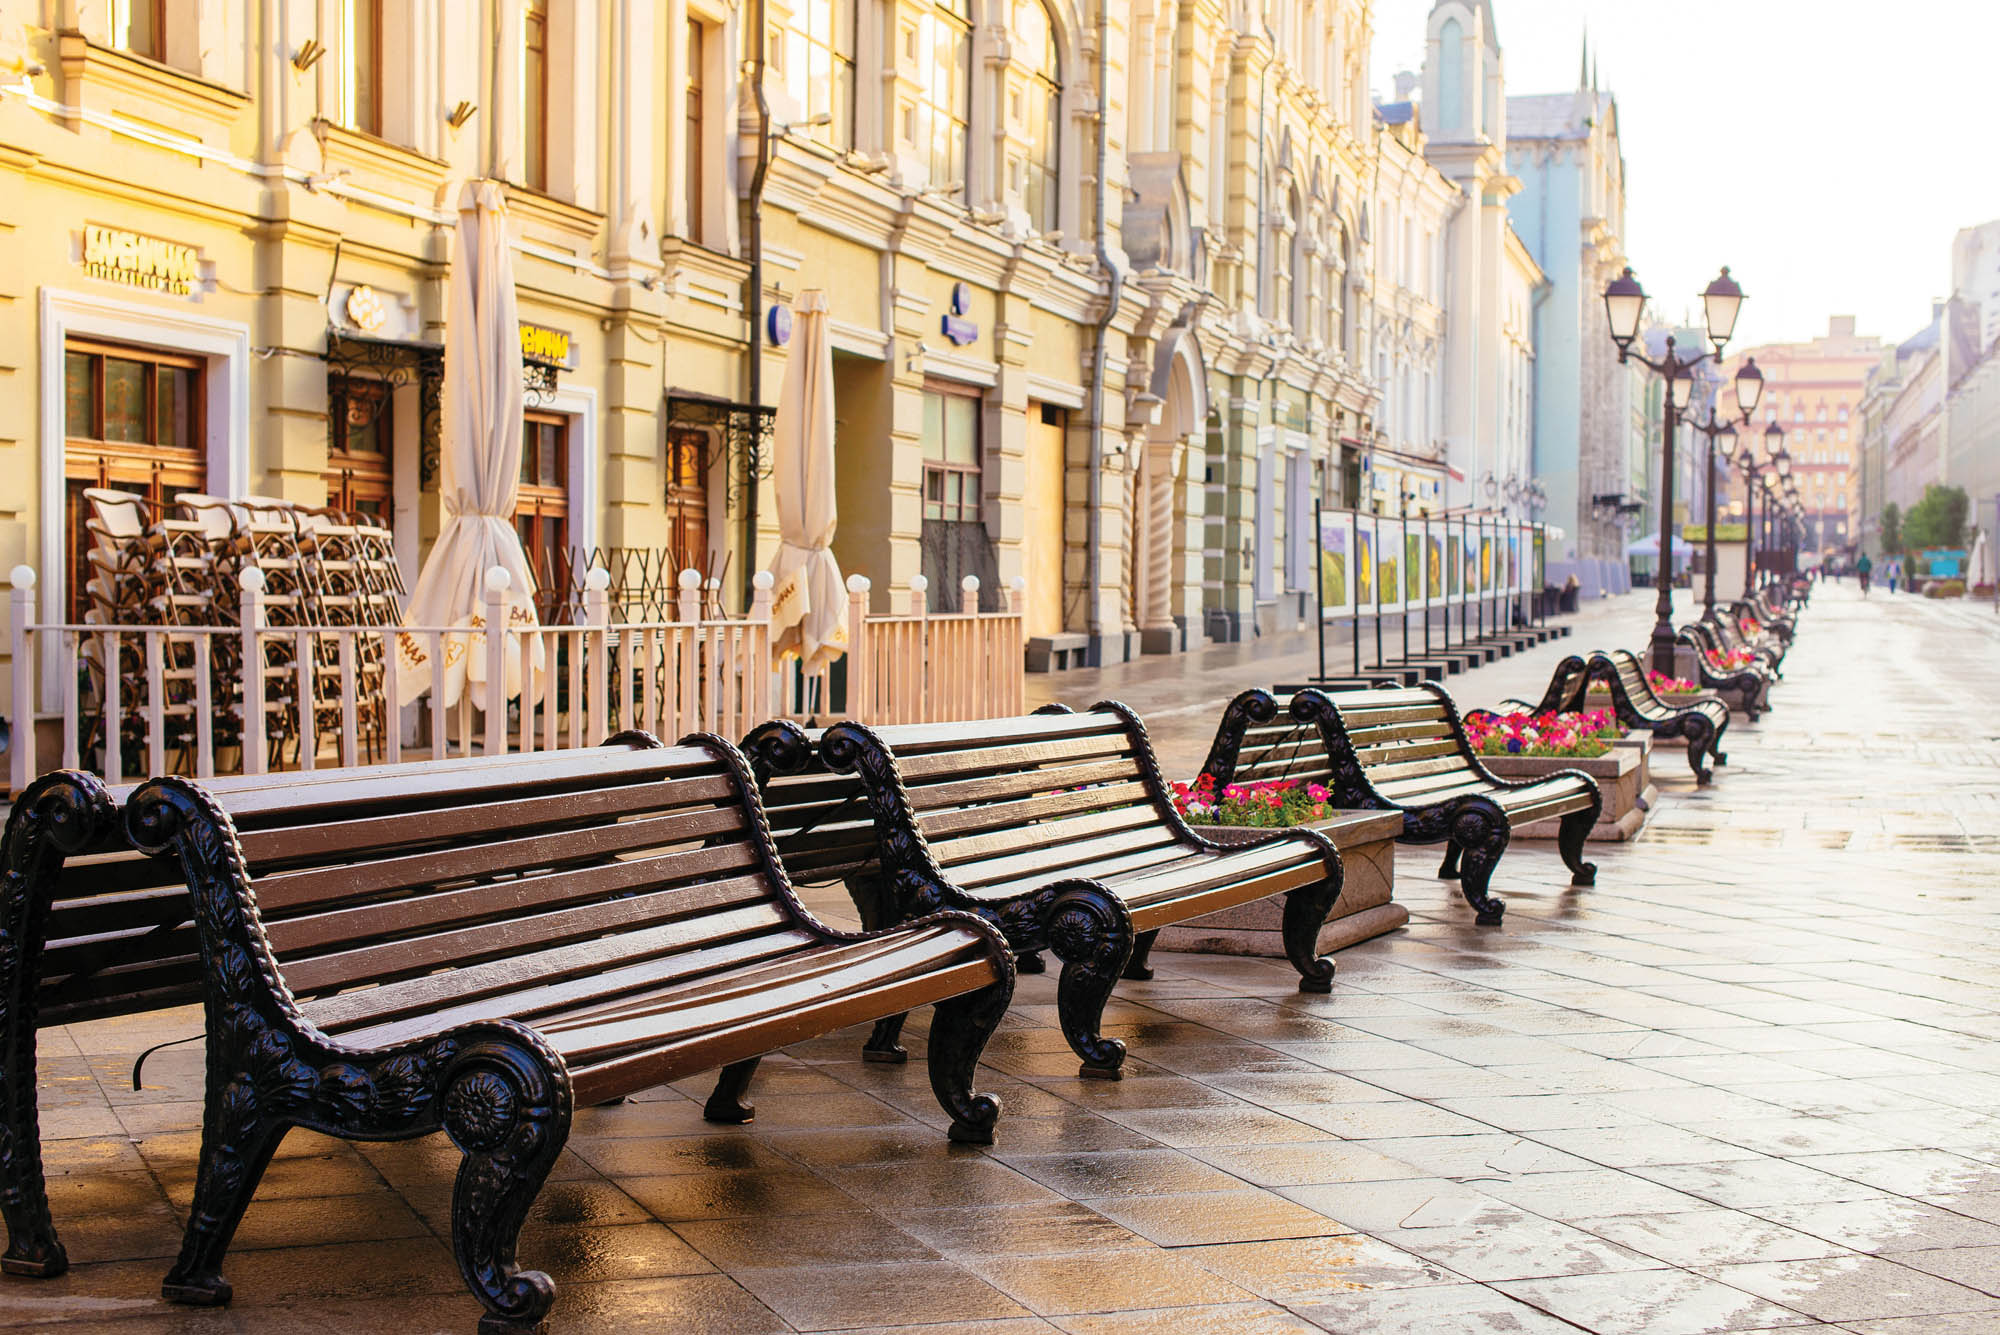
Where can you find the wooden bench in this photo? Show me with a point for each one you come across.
(1637, 705)
(1567, 691)
(1406, 750)
(1775, 624)
(1751, 685)
(473, 946)
(1056, 827)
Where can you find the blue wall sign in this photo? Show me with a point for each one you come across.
(956, 327)
(778, 324)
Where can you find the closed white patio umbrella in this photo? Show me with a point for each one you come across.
(809, 610)
(479, 470)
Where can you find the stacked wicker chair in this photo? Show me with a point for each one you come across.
(185, 567)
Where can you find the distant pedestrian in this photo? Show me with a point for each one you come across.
(1895, 572)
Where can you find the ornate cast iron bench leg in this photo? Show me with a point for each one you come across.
(1570, 834)
(506, 1105)
(1480, 830)
(959, 1030)
(1701, 739)
(727, 1104)
(1136, 968)
(57, 814)
(1448, 869)
(1306, 909)
(1090, 931)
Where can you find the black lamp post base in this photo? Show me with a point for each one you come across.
(1663, 648)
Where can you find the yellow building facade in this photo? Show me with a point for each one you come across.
(1098, 278)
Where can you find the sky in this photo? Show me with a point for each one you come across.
(1826, 150)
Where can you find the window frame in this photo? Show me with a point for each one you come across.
(957, 511)
(536, 28)
(1040, 121)
(364, 114)
(839, 134)
(146, 468)
(356, 479)
(544, 503)
(931, 103)
(122, 14)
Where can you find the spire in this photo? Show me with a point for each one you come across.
(1583, 69)
(1593, 74)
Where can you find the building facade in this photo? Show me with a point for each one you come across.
(1814, 391)
(1455, 288)
(1565, 153)
(1911, 443)
(1972, 371)
(1099, 278)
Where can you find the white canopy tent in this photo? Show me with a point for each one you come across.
(479, 470)
(809, 609)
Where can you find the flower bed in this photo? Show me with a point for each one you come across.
(1731, 660)
(1578, 736)
(1662, 685)
(1276, 804)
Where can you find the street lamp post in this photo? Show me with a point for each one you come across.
(1721, 435)
(1777, 461)
(1624, 304)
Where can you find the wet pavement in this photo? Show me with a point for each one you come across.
(1746, 1082)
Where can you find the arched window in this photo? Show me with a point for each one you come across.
(1284, 258)
(1033, 158)
(1451, 76)
(1294, 310)
(937, 123)
(1312, 324)
(814, 56)
(1340, 303)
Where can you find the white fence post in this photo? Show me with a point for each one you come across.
(1012, 658)
(497, 583)
(255, 739)
(687, 611)
(860, 652)
(758, 685)
(597, 607)
(21, 763)
(911, 701)
(963, 678)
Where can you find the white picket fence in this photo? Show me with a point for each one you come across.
(667, 677)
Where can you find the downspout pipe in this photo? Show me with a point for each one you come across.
(1094, 511)
(753, 298)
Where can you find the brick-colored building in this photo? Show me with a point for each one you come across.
(1814, 391)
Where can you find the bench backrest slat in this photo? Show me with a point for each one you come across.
(995, 800)
(516, 871)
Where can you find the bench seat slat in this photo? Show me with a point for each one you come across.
(374, 961)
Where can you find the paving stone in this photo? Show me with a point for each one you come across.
(1747, 1081)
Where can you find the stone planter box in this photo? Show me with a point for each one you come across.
(1367, 842)
(1622, 775)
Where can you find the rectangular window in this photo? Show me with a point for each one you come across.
(944, 104)
(132, 421)
(541, 510)
(951, 457)
(362, 92)
(535, 95)
(697, 49)
(360, 447)
(815, 59)
(140, 26)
